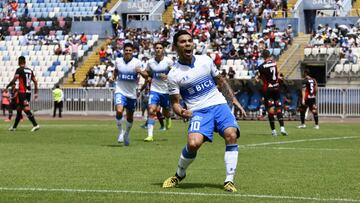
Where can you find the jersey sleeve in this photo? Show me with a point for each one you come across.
(214, 71)
(304, 83)
(172, 85)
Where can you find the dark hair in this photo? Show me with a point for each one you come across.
(128, 44)
(266, 54)
(22, 60)
(306, 72)
(159, 43)
(57, 86)
(178, 34)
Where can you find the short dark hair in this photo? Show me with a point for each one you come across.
(306, 72)
(266, 54)
(159, 43)
(22, 60)
(128, 44)
(178, 34)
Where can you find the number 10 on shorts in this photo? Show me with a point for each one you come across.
(195, 125)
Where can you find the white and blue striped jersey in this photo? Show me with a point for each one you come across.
(195, 83)
(158, 68)
(127, 77)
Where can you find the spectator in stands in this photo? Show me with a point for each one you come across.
(5, 101)
(102, 55)
(83, 39)
(74, 49)
(14, 6)
(115, 22)
(58, 49)
(73, 70)
(91, 77)
(223, 73)
(98, 12)
(217, 60)
(231, 73)
(26, 10)
(350, 57)
(107, 15)
(58, 97)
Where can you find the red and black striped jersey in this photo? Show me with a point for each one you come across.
(310, 85)
(24, 76)
(269, 74)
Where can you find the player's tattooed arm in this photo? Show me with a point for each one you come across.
(178, 109)
(224, 87)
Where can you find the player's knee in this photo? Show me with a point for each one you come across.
(231, 135)
(193, 145)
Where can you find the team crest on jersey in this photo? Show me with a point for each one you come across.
(185, 78)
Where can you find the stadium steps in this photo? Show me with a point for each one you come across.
(168, 15)
(290, 4)
(111, 4)
(82, 70)
(355, 11)
(295, 53)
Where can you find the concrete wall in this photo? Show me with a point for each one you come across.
(101, 28)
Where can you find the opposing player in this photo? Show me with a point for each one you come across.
(24, 76)
(158, 69)
(269, 74)
(309, 90)
(126, 77)
(194, 78)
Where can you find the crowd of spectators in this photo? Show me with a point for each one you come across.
(225, 29)
(342, 36)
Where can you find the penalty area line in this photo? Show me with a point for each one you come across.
(68, 190)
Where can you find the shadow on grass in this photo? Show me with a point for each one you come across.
(185, 186)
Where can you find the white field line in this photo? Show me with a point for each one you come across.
(300, 148)
(297, 141)
(67, 190)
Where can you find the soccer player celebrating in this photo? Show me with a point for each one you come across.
(126, 74)
(158, 69)
(269, 74)
(24, 76)
(309, 90)
(194, 78)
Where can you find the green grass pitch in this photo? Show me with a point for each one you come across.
(80, 161)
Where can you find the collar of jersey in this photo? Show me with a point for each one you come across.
(126, 62)
(192, 65)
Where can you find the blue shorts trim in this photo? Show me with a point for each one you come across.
(212, 119)
(128, 103)
(156, 98)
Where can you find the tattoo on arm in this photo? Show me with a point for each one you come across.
(225, 88)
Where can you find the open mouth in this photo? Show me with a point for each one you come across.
(188, 52)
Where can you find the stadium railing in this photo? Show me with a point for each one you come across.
(332, 102)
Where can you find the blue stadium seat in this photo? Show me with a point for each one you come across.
(255, 102)
(3, 48)
(243, 100)
(294, 102)
(6, 58)
(35, 63)
(37, 48)
(48, 23)
(46, 74)
(276, 53)
(25, 53)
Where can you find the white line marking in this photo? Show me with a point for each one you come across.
(178, 193)
(296, 141)
(300, 148)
